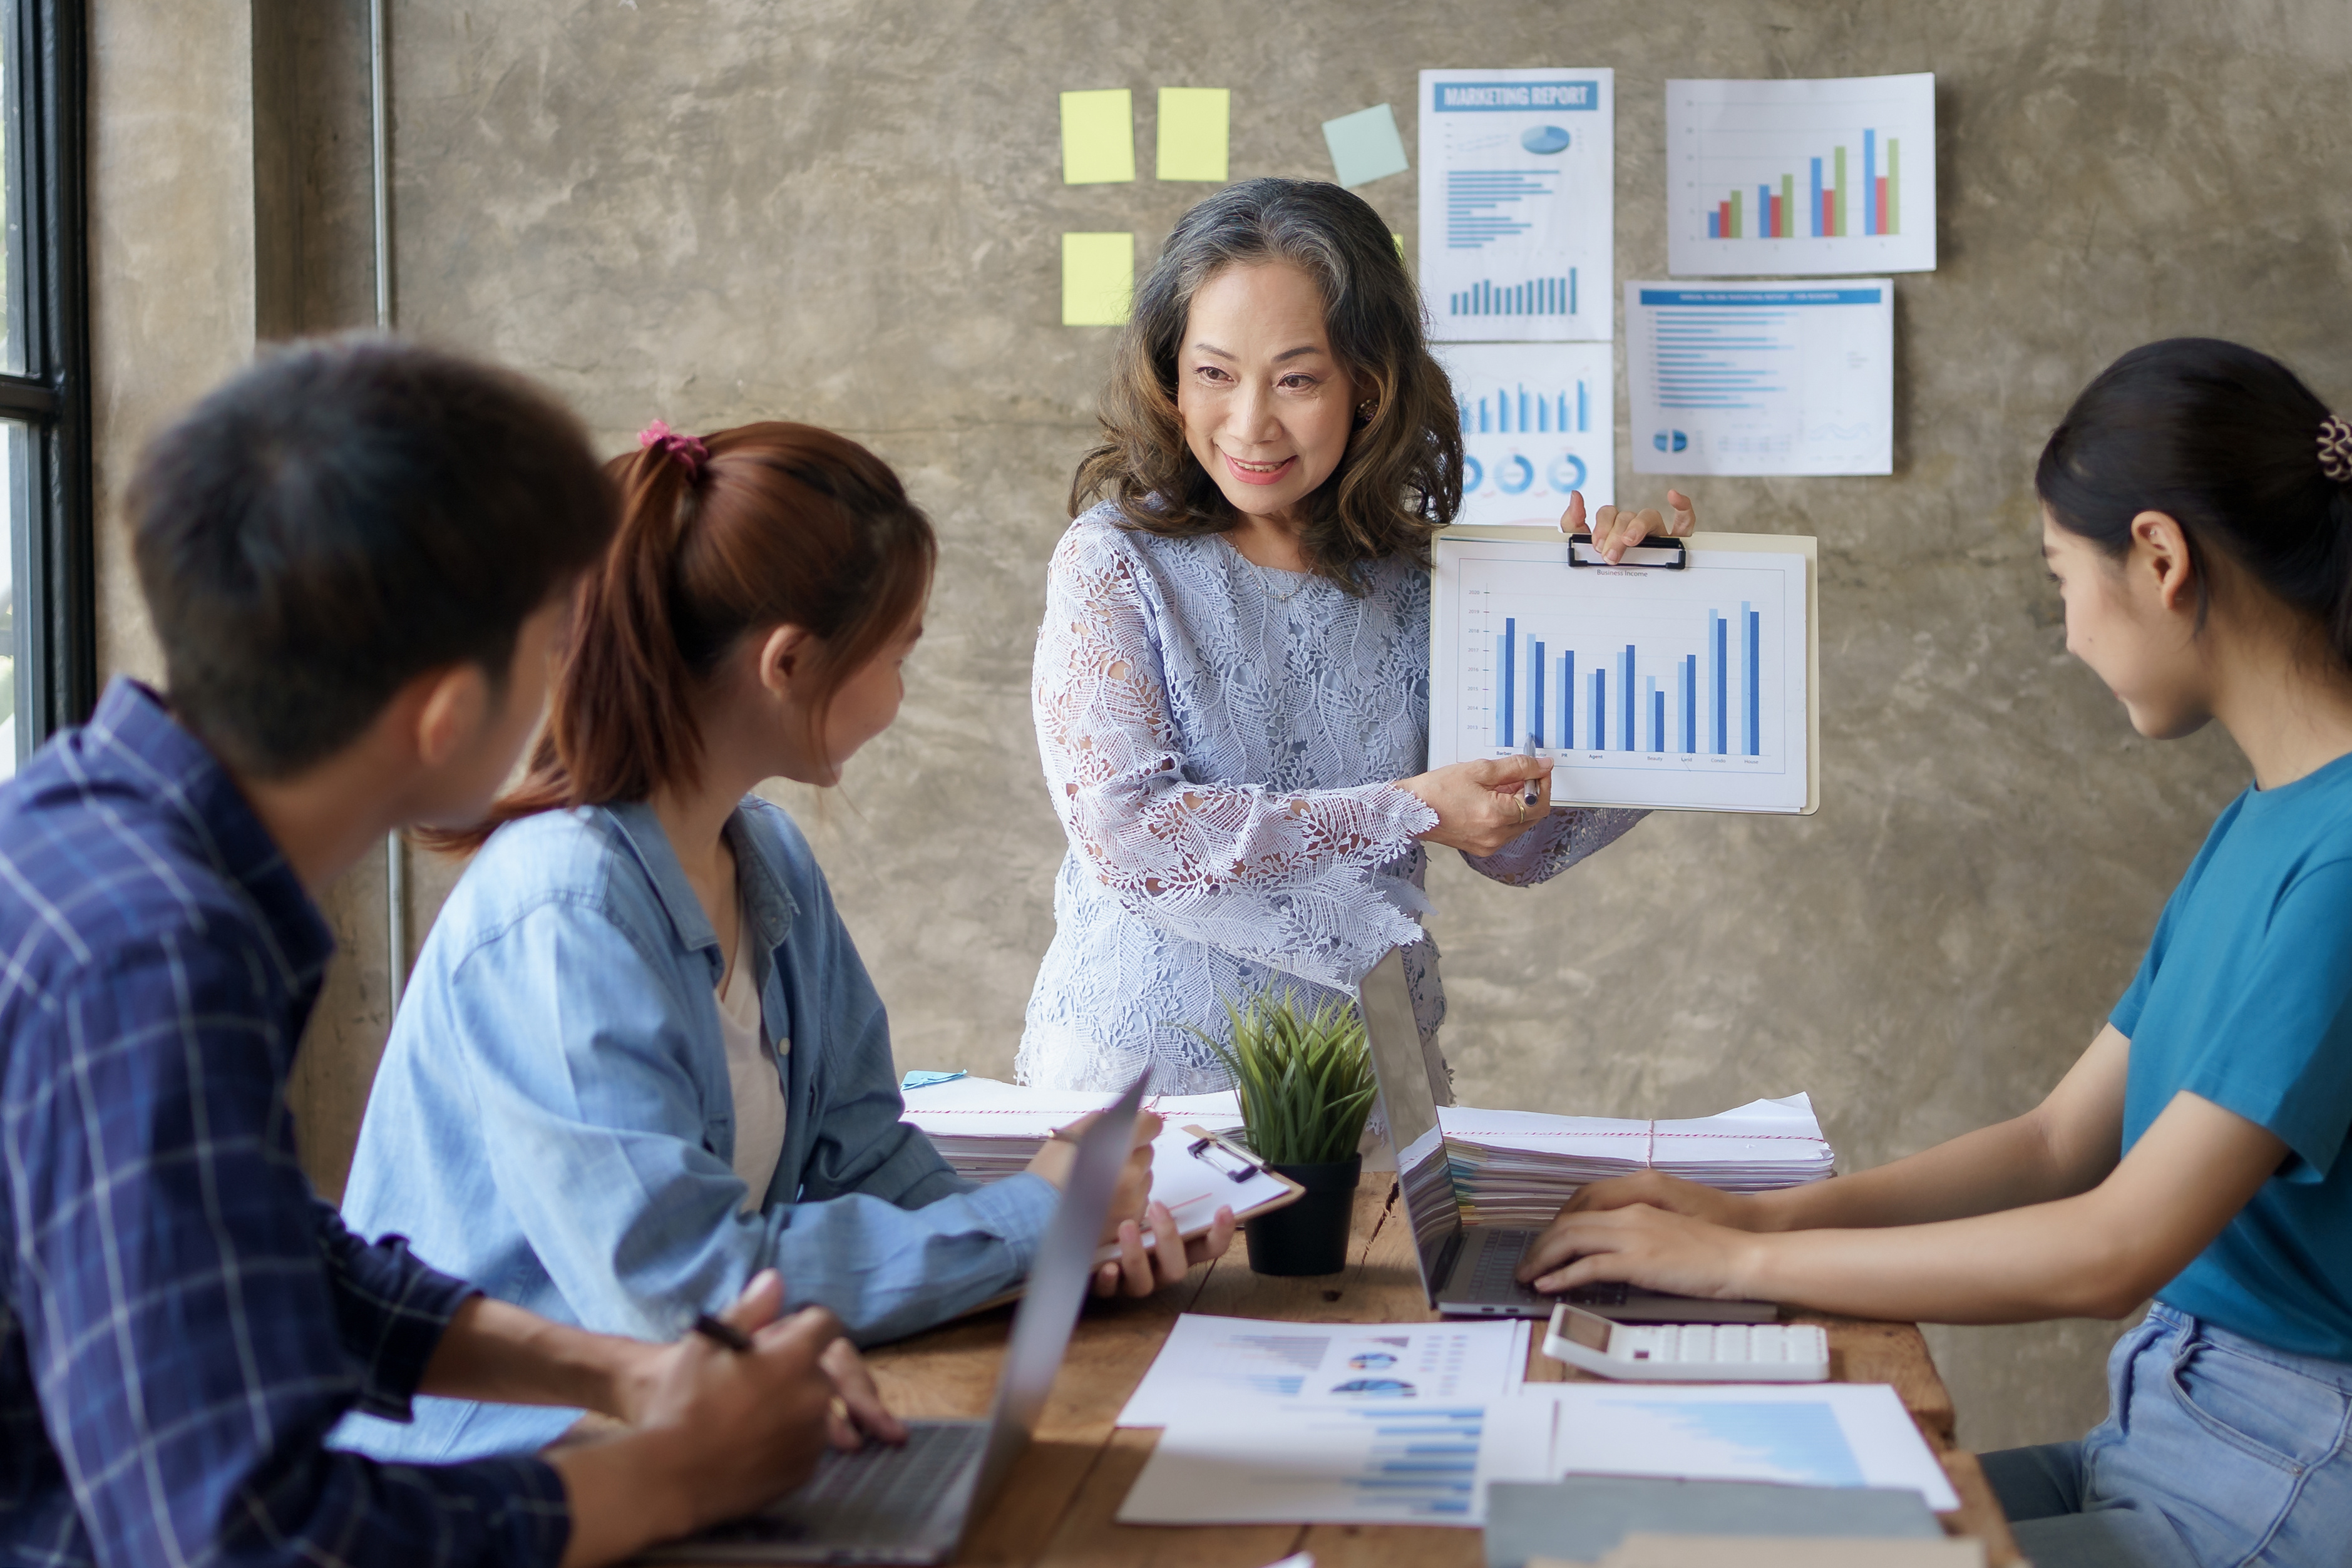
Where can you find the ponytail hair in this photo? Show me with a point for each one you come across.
(2232, 445)
(761, 526)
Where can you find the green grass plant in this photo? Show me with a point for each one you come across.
(1305, 1080)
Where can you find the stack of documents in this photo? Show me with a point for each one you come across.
(986, 1129)
(1517, 1167)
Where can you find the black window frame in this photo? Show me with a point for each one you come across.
(45, 99)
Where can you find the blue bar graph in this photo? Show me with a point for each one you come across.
(1567, 729)
(1813, 207)
(1551, 295)
(1516, 411)
(1600, 711)
(1506, 704)
(1657, 714)
(1690, 705)
(1535, 693)
(1717, 630)
(1755, 722)
(1626, 698)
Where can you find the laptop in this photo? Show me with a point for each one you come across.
(913, 1504)
(1471, 1271)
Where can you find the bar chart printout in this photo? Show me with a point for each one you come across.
(1517, 203)
(1646, 688)
(1761, 377)
(1537, 423)
(1800, 177)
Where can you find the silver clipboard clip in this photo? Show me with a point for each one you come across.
(1659, 552)
(1228, 1160)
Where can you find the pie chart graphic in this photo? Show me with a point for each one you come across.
(1544, 138)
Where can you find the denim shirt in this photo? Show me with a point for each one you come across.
(553, 1118)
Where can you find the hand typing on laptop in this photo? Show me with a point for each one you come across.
(1139, 1269)
(1650, 1229)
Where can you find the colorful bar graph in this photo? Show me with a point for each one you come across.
(1828, 212)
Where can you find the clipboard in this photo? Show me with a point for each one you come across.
(1229, 1175)
(1716, 638)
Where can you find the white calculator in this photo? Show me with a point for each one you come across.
(1688, 1353)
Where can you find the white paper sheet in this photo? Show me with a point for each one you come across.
(1424, 1464)
(1212, 1365)
(1838, 1434)
(1522, 646)
(1768, 179)
(1517, 203)
(1539, 421)
(1761, 377)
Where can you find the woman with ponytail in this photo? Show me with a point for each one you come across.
(2197, 517)
(639, 1059)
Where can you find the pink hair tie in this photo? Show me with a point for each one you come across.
(687, 449)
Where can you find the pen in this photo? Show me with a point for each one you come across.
(724, 1334)
(1528, 750)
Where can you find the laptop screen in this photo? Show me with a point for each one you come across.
(1411, 1111)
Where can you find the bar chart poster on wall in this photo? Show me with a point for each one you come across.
(1537, 423)
(1647, 687)
(1517, 203)
(1761, 377)
(1801, 178)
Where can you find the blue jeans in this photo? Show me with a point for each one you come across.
(2216, 1449)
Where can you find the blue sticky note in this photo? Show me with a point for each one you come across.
(919, 1079)
(1365, 145)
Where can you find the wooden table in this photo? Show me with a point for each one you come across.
(1057, 1510)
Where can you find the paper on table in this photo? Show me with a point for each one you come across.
(1324, 1464)
(1518, 182)
(1761, 377)
(1839, 1434)
(1642, 1550)
(1098, 278)
(1775, 178)
(1539, 421)
(1195, 125)
(1365, 146)
(1230, 1366)
(1098, 137)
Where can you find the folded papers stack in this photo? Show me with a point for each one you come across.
(1517, 1167)
(986, 1129)
(1510, 1167)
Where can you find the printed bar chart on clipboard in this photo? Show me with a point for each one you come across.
(1689, 689)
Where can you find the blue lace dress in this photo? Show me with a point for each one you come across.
(1221, 741)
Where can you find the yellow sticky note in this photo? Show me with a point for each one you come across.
(1097, 279)
(1098, 137)
(1193, 122)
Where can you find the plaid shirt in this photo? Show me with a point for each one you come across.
(181, 1318)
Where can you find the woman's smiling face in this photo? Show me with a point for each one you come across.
(1267, 410)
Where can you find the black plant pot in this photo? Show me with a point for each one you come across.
(1310, 1236)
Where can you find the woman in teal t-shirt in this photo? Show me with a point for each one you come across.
(2197, 517)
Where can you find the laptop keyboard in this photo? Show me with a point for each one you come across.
(877, 1494)
(1495, 1276)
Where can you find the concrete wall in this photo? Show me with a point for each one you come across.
(719, 210)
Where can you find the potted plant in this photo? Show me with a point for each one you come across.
(1305, 1087)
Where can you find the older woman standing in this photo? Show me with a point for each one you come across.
(1232, 681)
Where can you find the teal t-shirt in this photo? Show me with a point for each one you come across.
(2245, 998)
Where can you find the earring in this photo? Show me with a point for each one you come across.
(1365, 410)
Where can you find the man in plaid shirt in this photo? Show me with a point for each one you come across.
(356, 555)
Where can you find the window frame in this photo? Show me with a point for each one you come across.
(45, 99)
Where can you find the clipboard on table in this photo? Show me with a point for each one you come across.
(1202, 1171)
(1536, 644)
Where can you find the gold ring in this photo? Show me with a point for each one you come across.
(1523, 811)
